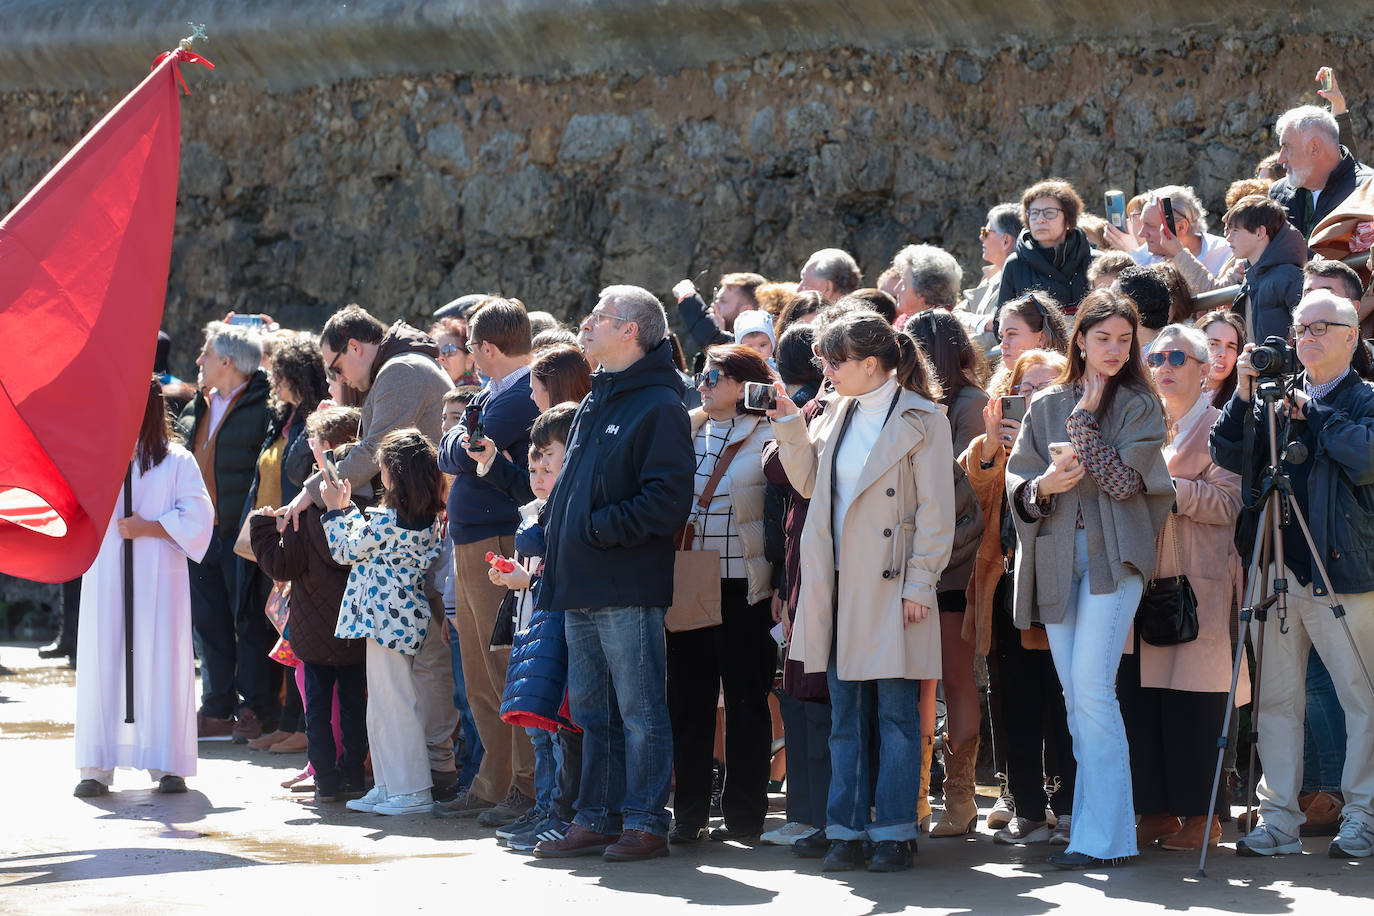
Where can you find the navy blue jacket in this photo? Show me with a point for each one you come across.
(1334, 487)
(625, 489)
(1273, 284)
(477, 509)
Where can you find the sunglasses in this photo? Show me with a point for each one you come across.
(984, 233)
(1156, 358)
(450, 350)
(708, 379)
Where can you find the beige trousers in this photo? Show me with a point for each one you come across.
(394, 732)
(433, 672)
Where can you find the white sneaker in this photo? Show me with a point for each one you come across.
(1268, 841)
(1355, 841)
(369, 802)
(1021, 831)
(1002, 812)
(414, 803)
(787, 834)
(1060, 837)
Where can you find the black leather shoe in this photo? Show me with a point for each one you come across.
(682, 835)
(171, 785)
(892, 855)
(90, 788)
(813, 846)
(844, 855)
(447, 793)
(731, 833)
(1076, 861)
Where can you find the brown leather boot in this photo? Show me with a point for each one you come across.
(923, 811)
(1323, 814)
(635, 845)
(1153, 827)
(1190, 837)
(961, 811)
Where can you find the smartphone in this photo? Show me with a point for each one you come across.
(1324, 74)
(1115, 203)
(330, 469)
(1167, 205)
(1014, 408)
(251, 321)
(472, 421)
(759, 397)
(1061, 453)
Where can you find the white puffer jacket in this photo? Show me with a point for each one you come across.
(746, 485)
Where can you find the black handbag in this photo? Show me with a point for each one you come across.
(503, 633)
(1167, 615)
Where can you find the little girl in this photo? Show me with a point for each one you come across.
(390, 549)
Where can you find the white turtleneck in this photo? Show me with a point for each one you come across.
(869, 414)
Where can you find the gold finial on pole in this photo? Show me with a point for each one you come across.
(197, 34)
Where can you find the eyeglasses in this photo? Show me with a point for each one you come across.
(329, 370)
(597, 316)
(708, 379)
(1045, 213)
(1026, 389)
(1156, 358)
(473, 346)
(984, 233)
(449, 350)
(1318, 328)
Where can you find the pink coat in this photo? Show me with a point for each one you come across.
(1208, 503)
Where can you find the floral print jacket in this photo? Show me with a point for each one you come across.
(385, 596)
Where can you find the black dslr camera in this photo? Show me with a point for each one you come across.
(1274, 358)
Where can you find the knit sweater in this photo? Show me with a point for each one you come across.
(869, 416)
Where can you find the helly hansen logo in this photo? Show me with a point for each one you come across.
(612, 429)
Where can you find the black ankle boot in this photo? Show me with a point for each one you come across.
(892, 855)
(844, 855)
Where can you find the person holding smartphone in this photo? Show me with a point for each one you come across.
(1086, 525)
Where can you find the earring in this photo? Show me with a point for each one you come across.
(1083, 354)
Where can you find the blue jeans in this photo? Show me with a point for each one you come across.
(471, 761)
(854, 706)
(1087, 646)
(1323, 749)
(545, 768)
(617, 687)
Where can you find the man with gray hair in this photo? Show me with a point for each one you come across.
(1321, 172)
(977, 311)
(831, 272)
(224, 426)
(930, 280)
(625, 489)
(1198, 255)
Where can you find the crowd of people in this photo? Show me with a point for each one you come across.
(557, 580)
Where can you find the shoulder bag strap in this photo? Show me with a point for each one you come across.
(704, 501)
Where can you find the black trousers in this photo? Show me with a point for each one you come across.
(331, 769)
(1172, 735)
(806, 728)
(233, 646)
(569, 774)
(740, 657)
(1038, 743)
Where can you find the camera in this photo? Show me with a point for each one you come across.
(1275, 358)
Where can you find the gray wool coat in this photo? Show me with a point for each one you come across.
(1121, 533)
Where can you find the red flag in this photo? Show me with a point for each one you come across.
(83, 275)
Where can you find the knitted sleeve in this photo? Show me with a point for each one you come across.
(1112, 475)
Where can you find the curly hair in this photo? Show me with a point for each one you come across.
(297, 362)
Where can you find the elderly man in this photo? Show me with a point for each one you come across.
(832, 273)
(977, 311)
(224, 426)
(1198, 255)
(1321, 172)
(930, 280)
(625, 489)
(1332, 413)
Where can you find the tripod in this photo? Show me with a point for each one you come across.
(1279, 511)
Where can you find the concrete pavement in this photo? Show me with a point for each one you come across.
(238, 842)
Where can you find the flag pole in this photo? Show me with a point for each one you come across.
(129, 600)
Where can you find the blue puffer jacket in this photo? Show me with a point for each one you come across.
(537, 674)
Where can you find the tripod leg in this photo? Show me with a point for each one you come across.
(1259, 580)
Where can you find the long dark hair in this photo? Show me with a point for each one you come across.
(412, 465)
(957, 362)
(155, 432)
(861, 334)
(564, 371)
(1237, 323)
(1096, 307)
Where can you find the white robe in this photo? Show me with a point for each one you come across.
(162, 737)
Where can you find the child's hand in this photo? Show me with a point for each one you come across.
(335, 496)
(517, 578)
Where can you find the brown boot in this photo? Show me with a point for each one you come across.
(1323, 814)
(923, 800)
(635, 845)
(1190, 837)
(961, 811)
(1153, 827)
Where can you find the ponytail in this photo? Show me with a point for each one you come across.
(914, 372)
(861, 334)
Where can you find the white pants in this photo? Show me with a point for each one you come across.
(1283, 701)
(395, 734)
(1087, 647)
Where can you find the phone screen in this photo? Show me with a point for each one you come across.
(759, 397)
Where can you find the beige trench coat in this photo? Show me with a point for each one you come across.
(896, 542)
(1208, 503)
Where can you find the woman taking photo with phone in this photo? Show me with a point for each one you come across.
(739, 655)
(1090, 491)
(878, 469)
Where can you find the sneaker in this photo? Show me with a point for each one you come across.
(1002, 812)
(368, 803)
(522, 824)
(447, 793)
(787, 834)
(1265, 840)
(1022, 830)
(464, 804)
(412, 803)
(210, 728)
(1060, 837)
(1356, 840)
(550, 830)
(812, 846)
(511, 809)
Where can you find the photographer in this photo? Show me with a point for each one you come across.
(1330, 411)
